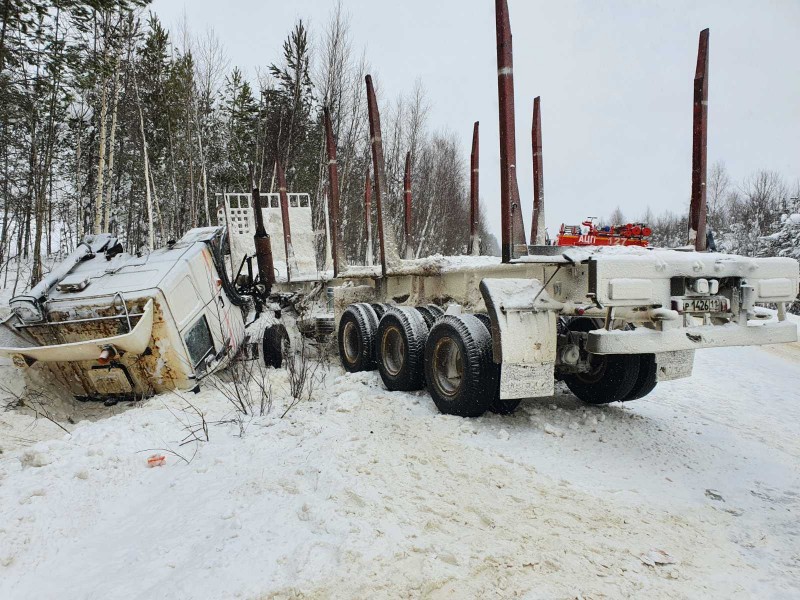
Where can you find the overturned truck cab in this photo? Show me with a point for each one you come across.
(114, 326)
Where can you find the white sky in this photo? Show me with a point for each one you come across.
(615, 77)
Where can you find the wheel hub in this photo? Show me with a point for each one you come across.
(448, 366)
(350, 342)
(393, 351)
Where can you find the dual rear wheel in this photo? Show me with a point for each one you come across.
(417, 347)
(611, 377)
(451, 355)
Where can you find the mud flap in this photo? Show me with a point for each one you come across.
(523, 336)
(674, 365)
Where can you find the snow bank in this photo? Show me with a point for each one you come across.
(364, 493)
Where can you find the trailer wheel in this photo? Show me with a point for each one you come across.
(379, 309)
(436, 311)
(646, 381)
(612, 376)
(401, 349)
(484, 318)
(498, 406)
(462, 379)
(428, 315)
(357, 329)
(274, 340)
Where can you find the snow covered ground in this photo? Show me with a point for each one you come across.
(363, 493)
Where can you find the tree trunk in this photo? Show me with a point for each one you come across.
(202, 166)
(107, 202)
(151, 243)
(101, 162)
(78, 190)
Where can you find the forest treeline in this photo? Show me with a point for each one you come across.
(109, 121)
(757, 216)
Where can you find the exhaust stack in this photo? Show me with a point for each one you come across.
(333, 193)
(291, 261)
(407, 207)
(368, 218)
(263, 245)
(474, 214)
(513, 229)
(697, 208)
(537, 222)
(388, 246)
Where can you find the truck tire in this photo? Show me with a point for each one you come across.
(357, 329)
(462, 379)
(486, 320)
(428, 314)
(274, 340)
(646, 381)
(400, 348)
(379, 309)
(437, 311)
(612, 376)
(498, 406)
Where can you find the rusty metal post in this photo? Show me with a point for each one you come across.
(368, 218)
(537, 222)
(697, 208)
(333, 192)
(474, 214)
(513, 230)
(263, 245)
(287, 229)
(333, 197)
(407, 207)
(388, 246)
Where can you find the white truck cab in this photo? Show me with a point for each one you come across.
(108, 324)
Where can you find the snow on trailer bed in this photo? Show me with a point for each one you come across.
(360, 493)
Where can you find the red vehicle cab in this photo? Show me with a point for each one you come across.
(589, 234)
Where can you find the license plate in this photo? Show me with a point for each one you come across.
(714, 304)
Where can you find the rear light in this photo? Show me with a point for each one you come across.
(701, 286)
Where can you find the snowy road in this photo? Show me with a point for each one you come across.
(369, 494)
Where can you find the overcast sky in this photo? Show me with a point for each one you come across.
(616, 81)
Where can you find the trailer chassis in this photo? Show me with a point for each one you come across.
(559, 317)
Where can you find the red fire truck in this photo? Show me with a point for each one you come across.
(589, 234)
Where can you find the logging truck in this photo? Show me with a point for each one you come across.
(479, 332)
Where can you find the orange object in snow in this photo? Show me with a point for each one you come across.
(156, 460)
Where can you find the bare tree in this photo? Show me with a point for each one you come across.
(718, 190)
(616, 217)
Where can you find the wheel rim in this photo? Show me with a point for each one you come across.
(350, 342)
(448, 366)
(393, 351)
